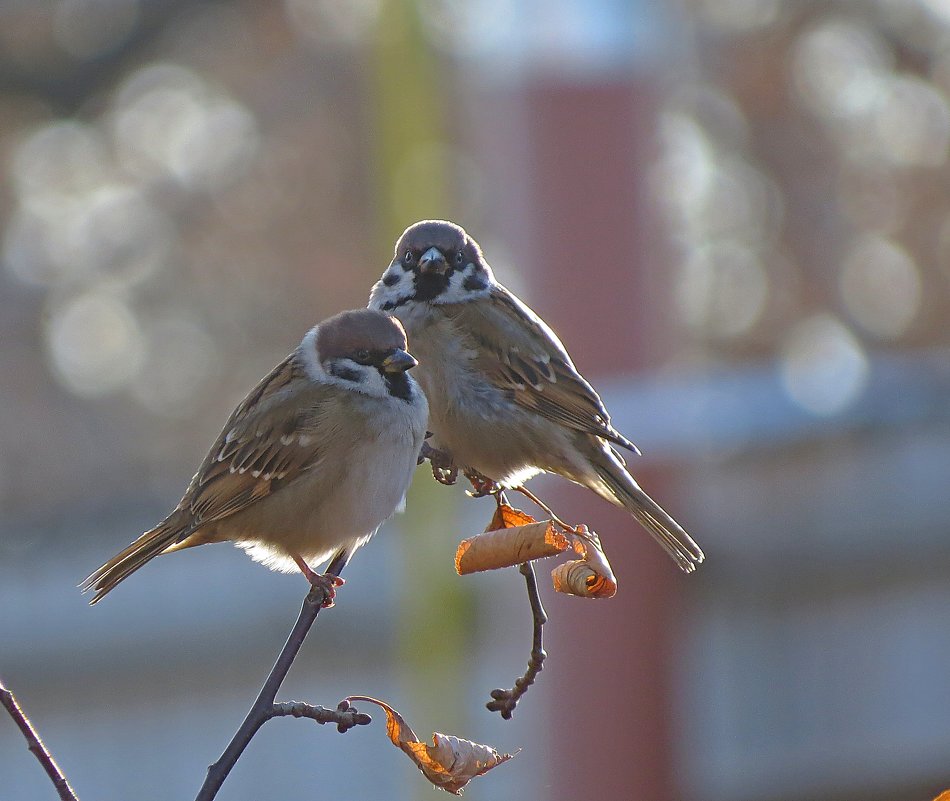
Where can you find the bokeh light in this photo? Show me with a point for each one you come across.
(839, 68)
(168, 122)
(94, 343)
(65, 157)
(824, 368)
(684, 174)
(912, 123)
(880, 286)
(722, 289)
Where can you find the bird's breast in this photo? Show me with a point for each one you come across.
(472, 419)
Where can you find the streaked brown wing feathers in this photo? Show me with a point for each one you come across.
(269, 441)
(523, 356)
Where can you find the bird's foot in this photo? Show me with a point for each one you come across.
(324, 584)
(443, 468)
(482, 485)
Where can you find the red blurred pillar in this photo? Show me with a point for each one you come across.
(567, 157)
(610, 660)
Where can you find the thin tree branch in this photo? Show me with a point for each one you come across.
(264, 707)
(505, 701)
(542, 505)
(35, 745)
(345, 716)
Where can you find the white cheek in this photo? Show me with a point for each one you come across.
(372, 384)
(455, 292)
(308, 356)
(395, 276)
(402, 288)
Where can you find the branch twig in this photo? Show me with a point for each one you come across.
(505, 701)
(345, 716)
(35, 745)
(542, 505)
(264, 707)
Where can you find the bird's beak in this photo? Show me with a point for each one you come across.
(432, 261)
(399, 361)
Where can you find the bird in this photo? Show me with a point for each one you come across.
(505, 400)
(316, 457)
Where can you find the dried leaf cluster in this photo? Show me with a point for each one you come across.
(514, 537)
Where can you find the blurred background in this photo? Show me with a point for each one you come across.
(735, 212)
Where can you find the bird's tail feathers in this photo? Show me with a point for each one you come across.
(618, 486)
(152, 543)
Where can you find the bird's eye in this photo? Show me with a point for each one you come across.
(459, 257)
(362, 355)
(408, 257)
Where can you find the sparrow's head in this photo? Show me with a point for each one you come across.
(363, 350)
(435, 262)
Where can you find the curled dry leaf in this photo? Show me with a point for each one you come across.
(589, 577)
(507, 547)
(450, 762)
(577, 577)
(511, 538)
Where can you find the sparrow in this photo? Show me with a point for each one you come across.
(310, 464)
(505, 399)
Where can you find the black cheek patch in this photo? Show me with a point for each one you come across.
(390, 279)
(475, 283)
(340, 370)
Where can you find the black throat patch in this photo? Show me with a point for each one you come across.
(398, 385)
(430, 285)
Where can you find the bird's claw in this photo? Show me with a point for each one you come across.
(443, 468)
(447, 476)
(325, 584)
(482, 485)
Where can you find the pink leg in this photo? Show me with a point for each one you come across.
(321, 581)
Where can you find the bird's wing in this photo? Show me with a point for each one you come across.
(522, 355)
(273, 437)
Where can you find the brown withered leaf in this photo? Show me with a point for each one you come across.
(450, 762)
(944, 796)
(508, 517)
(506, 547)
(589, 577)
(511, 538)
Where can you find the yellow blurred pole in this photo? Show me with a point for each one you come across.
(434, 607)
(409, 125)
